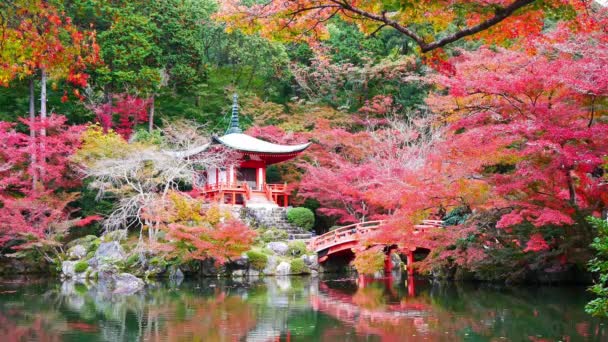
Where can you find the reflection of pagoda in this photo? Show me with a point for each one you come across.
(245, 184)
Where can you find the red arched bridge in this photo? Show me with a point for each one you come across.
(348, 237)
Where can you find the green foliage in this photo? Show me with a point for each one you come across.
(297, 248)
(132, 260)
(81, 266)
(257, 260)
(149, 138)
(94, 245)
(298, 266)
(599, 265)
(456, 216)
(272, 234)
(301, 217)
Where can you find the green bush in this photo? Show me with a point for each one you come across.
(297, 248)
(81, 266)
(301, 217)
(257, 260)
(298, 266)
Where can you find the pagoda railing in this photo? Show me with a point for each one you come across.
(273, 191)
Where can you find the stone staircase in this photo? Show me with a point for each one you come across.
(274, 217)
(258, 200)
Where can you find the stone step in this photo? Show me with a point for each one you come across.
(300, 236)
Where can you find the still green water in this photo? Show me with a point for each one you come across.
(295, 309)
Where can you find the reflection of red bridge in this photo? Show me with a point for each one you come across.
(369, 320)
(348, 237)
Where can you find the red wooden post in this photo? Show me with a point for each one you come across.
(410, 263)
(411, 287)
(233, 198)
(285, 200)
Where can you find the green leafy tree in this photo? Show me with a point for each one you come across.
(599, 265)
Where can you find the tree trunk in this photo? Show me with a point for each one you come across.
(151, 114)
(43, 99)
(33, 133)
(571, 188)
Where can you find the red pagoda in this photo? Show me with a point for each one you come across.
(245, 184)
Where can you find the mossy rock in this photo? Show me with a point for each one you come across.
(274, 234)
(298, 266)
(94, 245)
(297, 248)
(257, 260)
(116, 235)
(85, 241)
(81, 266)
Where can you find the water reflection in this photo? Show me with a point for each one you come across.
(295, 309)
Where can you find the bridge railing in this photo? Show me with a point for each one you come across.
(355, 231)
(343, 234)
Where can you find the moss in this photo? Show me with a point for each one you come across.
(257, 260)
(94, 245)
(81, 266)
(301, 217)
(298, 266)
(267, 251)
(80, 289)
(132, 260)
(158, 261)
(297, 248)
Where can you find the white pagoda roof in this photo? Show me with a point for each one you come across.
(247, 143)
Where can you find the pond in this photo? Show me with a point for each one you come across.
(295, 309)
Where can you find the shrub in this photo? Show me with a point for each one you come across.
(369, 261)
(298, 266)
(297, 248)
(301, 217)
(257, 260)
(81, 266)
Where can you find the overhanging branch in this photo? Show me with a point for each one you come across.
(499, 15)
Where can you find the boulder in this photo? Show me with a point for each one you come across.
(311, 261)
(67, 269)
(126, 283)
(77, 252)
(115, 235)
(109, 252)
(175, 274)
(284, 268)
(271, 265)
(111, 281)
(279, 248)
(85, 241)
